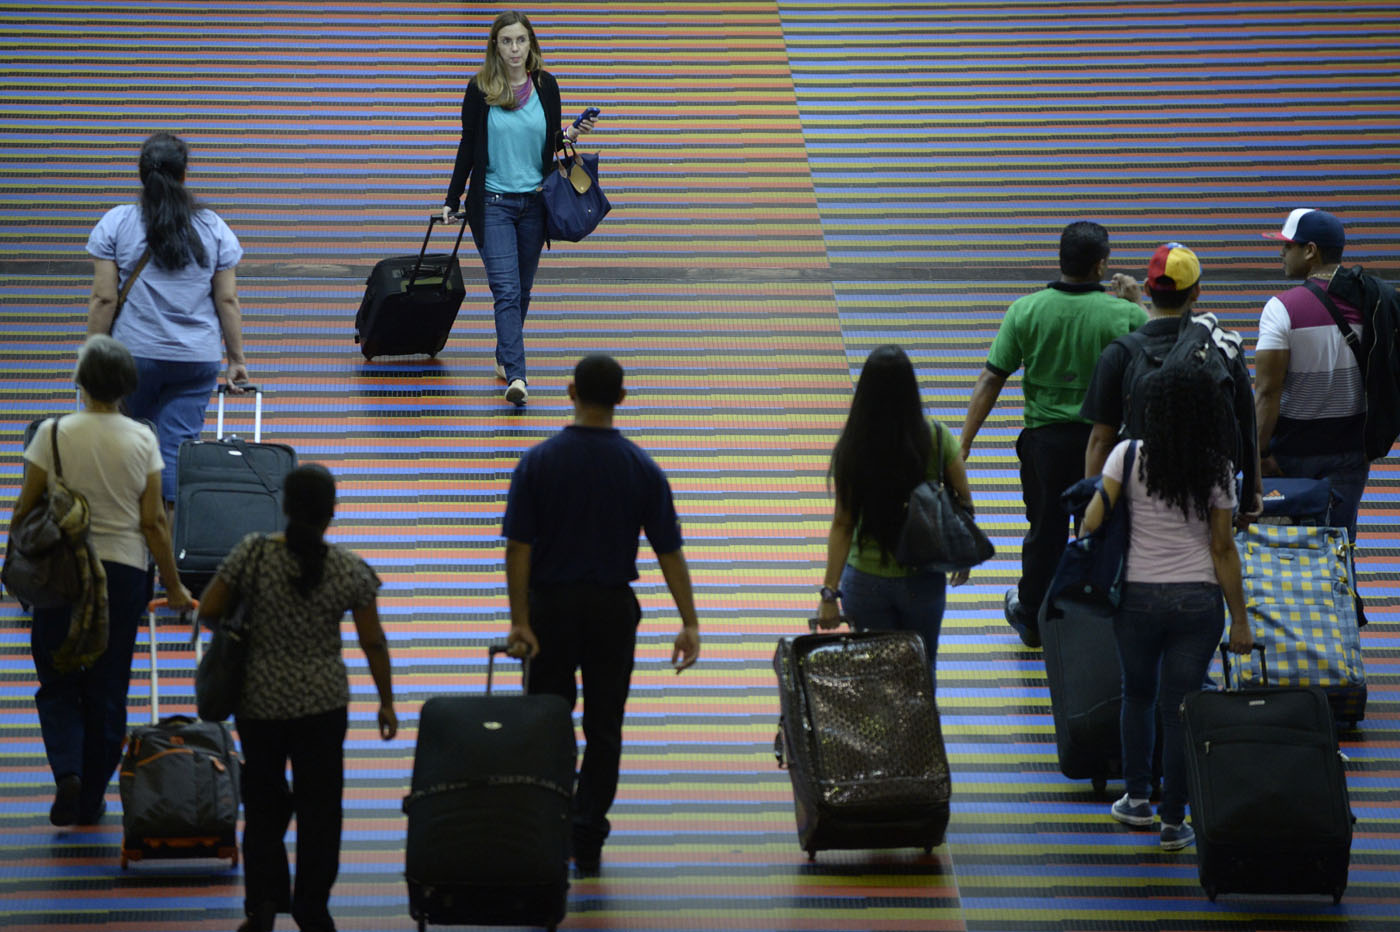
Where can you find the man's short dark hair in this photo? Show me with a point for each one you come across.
(598, 380)
(1170, 300)
(105, 370)
(1083, 245)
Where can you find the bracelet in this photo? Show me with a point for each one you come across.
(829, 594)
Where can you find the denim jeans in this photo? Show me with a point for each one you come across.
(82, 715)
(512, 237)
(1348, 473)
(1166, 634)
(897, 603)
(173, 396)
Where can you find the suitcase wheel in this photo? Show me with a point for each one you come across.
(928, 849)
(811, 854)
(1210, 893)
(422, 925)
(1337, 896)
(124, 860)
(1100, 786)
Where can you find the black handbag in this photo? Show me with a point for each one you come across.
(218, 681)
(939, 533)
(574, 203)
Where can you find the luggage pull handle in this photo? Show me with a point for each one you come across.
(193, 614)
(257, 409)
(434, 220)
(1225, 663)
(501, 647)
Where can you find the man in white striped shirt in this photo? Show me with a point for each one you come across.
(1310, 402)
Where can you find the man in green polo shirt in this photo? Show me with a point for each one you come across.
(1056, 334)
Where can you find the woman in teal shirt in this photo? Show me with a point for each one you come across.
(510, 133)
(886, 449)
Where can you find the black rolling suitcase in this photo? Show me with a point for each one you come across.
(489, 810)
(225, 490)
(411, 302)
(1268, 792)
(1086, 689)
(179, 781)
(861, 740)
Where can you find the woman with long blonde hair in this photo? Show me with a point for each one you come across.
(511, 117)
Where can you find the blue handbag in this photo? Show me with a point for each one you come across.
(1092, 567)
(574, 203)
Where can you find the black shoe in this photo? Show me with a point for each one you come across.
(64, 810)
(1028, 632)
(93, 816)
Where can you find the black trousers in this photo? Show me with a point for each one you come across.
(315, 746)
(1052, 459)
(593, 630)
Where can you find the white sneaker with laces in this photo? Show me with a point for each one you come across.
(517, 393)
(500, 372)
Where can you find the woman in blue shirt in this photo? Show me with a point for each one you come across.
(181, 313)
(510, 133)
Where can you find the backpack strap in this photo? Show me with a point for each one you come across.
(1348, 334)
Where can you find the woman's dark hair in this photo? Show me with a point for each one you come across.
(883, 450)
(1083, 245)
(105, 369)
(308, 500)
(1189, 438)
(167, 209)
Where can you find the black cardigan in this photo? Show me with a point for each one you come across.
(472, 157)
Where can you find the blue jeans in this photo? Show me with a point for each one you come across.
(173, 396)
(1348, 473)
(897, 603)
(1166, 634)
(82, 715)
(512, 238)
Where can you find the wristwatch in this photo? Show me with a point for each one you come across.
(829, 594)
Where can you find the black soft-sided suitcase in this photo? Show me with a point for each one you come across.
(411, 302)
(1268, 792)
(489, 810)
(1086, 689)
(226, 489)
(861, 740)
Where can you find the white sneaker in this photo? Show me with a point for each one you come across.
(517, 393)
(500, 372)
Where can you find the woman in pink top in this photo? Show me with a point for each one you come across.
(1181, 557)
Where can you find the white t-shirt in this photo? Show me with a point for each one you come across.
(1164, 546)
(107, 457)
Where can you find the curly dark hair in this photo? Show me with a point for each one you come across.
(883, 450)
(1189, 437)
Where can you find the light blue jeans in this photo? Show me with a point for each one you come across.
(512, 238)
(897, 603)
(173, 396)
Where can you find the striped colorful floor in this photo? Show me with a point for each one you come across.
(793, 183)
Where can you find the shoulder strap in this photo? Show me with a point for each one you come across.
(1348, 334)
(53, 440)
(131, 280)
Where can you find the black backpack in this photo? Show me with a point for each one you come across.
(1376, 351)
(1199, 341)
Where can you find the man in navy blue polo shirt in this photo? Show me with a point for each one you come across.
(576, 505)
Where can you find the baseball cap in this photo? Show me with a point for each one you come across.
(1306, 225)
(1173, 268)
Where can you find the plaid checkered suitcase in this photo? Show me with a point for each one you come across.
(1299, 588)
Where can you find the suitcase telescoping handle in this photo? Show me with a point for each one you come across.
(257, 409)
(1225, 663)
(193, 614)
(501, 647)
(434, 220)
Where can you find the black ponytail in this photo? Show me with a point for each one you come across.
(167, 208)
(309, 502)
